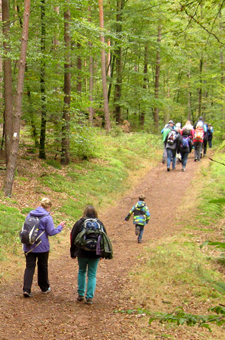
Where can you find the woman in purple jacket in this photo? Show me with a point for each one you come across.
(40, 252)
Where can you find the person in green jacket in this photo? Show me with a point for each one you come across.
(168, 127)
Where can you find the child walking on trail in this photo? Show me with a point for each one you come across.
(140, 218)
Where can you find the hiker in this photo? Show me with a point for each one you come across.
(205, 139)
(87, 260)
(189, 128)
(140, 218)
(40, 252)
(172, 140)
(168, 127)
(185, 147)
(178, 154)
(210, 135)
(198, 141)
(200, 123)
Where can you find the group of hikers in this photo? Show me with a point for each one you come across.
(179, 142)
(88, 243)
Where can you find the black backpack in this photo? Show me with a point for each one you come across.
(30, 231)
(88, 238)
(92, 237)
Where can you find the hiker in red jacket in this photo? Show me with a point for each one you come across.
(198, 140)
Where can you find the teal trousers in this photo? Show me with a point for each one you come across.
(89, 267)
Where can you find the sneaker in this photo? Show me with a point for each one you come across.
(80, 298)
(47, 291)
(88, 301)
(195, 159)
(26, 294)
(137, 230)
(183, 169)
(139, 241)
(168, 169)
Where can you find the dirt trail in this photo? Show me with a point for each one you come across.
(57, 315)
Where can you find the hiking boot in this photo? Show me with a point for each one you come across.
(80, 298)
(47, 291)
(168, 169)
(137, 230)
(183, 169)
(139, 241)
(26, 294)
(88, 301)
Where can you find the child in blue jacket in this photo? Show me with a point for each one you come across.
(140, 218)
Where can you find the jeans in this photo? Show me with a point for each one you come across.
(89, 266)
(184, 158)
(171, 156)
(210, 143)
(141, 232)
(42, 265)
(198, 150)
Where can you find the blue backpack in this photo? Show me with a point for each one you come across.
(185, 143)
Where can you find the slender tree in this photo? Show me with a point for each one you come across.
(65, 156)
(42, 85)
(103, 67)
(11, 166)
(8, 82)
(157, 73)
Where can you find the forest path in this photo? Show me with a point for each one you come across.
(57, 315)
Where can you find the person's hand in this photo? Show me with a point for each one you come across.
(126, 218)
(63, 223)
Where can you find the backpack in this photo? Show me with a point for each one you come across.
(185, 143)
(172, 136)
(199, 134)
(90, 234)
(29, 233)
(93, 238)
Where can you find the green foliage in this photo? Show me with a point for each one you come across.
(11, 224)
(179, 317)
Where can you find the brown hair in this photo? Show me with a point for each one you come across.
(142, 197)
(46, 203)
(90, 212)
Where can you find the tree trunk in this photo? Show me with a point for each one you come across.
(8, 82)
(200, 88)
(157, 73)
(142, 115)
(118, 55)
(91, 80)
(42, 85)
(79, 69)
(65, 156)
(11, 166)
(103, 67)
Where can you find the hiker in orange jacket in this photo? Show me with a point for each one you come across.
(198, 141)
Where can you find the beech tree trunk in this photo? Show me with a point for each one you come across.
(11, 166)
(65, 156)
(157, 73)
(91, 80)
(118, 54)
(103, 67)
(8, 82)
(42, 85)
(142, 114)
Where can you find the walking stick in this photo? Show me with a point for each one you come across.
(216, 161)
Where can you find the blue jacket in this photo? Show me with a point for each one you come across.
(141, 213)
(47, 225)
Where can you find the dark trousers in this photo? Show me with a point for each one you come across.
(42, 264)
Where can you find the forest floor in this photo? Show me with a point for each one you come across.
(57, 315)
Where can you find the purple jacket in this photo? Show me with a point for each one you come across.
(46, 223)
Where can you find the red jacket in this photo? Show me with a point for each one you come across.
(198, 135)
